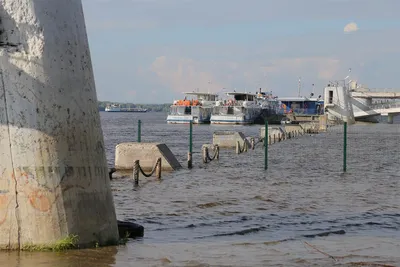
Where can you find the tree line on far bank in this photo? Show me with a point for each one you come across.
(150, 107)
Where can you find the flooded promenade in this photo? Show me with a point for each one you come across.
(302, 211)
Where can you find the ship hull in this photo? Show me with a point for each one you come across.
(126, 111)
(269, 116)
(186, 120)
(231, 120)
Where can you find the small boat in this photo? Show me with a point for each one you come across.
(117, 108)
(242, 108)
(197, 110)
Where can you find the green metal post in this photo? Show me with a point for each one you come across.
(345, 148)
(139, 137)
(191, 137)
(190, 145)
(266, 146)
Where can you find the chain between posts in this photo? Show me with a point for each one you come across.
(206, 155)
(136, 169)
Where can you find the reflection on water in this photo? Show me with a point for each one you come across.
(233, 213)
(87, 258)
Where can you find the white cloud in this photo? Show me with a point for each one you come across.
(324, 67)
(351, 27)
(185, 74)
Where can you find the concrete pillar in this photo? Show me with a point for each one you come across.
(53, 170)
(390, 118)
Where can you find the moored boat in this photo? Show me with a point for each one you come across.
(198, 109)
(271, 110)
(117, 108)
(242, 108)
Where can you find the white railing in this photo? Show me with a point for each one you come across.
(385, 105)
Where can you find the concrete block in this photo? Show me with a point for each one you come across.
(209, 146)
(147, 154)
(323, 123)
(272, 130)
(228, 139)
(310, 126)
(293, 128)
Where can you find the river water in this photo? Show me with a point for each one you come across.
(302, 211)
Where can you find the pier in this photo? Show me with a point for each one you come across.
(389, 110)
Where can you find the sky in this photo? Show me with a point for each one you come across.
(150, 51)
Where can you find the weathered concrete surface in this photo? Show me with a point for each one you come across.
(293, 128)
(323, 123)
(228, 139)
(272, 130)
(53, 171)
(310, 126)
(302, 118)
(209, 146)
(147, 154)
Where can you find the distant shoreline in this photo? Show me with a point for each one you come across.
(150, 107)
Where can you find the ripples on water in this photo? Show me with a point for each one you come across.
(233, 213)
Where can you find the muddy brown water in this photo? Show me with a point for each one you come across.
(302, 211)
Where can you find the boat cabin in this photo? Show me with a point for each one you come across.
(302, 105)
(203, 96)
(197, 99)
(191, 105)
(242, 96)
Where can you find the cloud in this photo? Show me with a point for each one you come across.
(324, 67)
(185, 74)
(351, 27)
(280, 75)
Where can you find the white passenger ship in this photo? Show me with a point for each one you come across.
(241, 108)
(198, 109)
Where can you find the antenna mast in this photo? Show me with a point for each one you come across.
(299, 86)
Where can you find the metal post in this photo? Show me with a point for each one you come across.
(139, 137)
(205, 152)
(345, 148)
(190, 165)
(266, 146)
(136, 172)
(158, 168)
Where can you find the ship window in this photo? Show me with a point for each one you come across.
(330, 97)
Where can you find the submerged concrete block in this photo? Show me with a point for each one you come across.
(323, 123)
(228, 139)
(209, 146)
(272, 130)
(293, 128)
(310, 126)
(147, 154)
